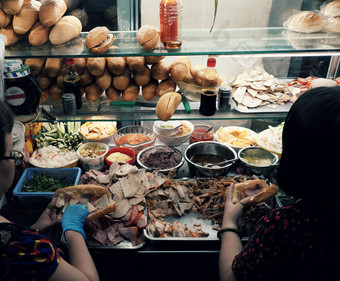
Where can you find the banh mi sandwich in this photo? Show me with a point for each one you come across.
(97, 199)
(257, 190)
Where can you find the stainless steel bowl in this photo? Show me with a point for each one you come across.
(212, 148)
(259, 153)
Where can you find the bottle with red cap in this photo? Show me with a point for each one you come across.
(72, 81)
(209, 96)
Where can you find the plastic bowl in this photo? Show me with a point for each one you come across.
(168, 128)
(123, 150)
(95, 163)
(134, 137)
(175, 140)
(165, 170)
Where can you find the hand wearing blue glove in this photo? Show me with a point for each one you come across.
(74, 218)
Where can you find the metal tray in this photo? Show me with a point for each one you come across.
(124, 245)
(190, 219)
(263, 109)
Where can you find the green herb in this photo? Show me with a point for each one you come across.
(43, 183)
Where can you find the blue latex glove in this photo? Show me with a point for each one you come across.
(74, 218)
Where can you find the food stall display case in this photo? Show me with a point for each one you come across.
(230, 43)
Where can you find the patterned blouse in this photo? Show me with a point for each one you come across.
(26, 254)
(296, 242)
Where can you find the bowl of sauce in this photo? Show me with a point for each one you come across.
(258, 161)
(199, 154)
(134, 137)
(122, 155)
(201, 132)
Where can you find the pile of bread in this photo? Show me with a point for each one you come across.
(40, 21)
(115, 77)
(327, 19)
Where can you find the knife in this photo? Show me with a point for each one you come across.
(185, 103)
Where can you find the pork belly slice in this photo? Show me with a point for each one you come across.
(130, 233)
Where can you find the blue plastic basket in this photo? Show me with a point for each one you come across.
(69, 174)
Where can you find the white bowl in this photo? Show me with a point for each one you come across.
(174, 140)
(95, 163)
(250, 135)
(167, 128)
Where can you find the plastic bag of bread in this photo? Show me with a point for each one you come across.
(304, 22)
(330, 11)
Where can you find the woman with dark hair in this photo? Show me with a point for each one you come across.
(25, 252)
(299, 241)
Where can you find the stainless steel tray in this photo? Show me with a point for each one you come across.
(124, 245)
(190, 219)
(263, 109)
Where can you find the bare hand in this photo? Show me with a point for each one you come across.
(48, 217)
(232, 211)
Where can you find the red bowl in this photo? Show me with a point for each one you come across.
(123, 150)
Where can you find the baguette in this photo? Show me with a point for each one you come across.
(104, 81)
(10, 35)
(96, 65)
(257, 190)
(52, 66)
(5, 19)
(143, 76)
(27, 16)
(51, 11)
(38, 34)
(167, 105)
(112, 94)
(67, 28)
(97, 198)
(148, 36)
(179, 68)
(12, 7)
(116, 65)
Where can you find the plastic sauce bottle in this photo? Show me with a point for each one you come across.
(208, 97)
(171, 15)
(72, 81)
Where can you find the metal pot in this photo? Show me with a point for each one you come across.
(211, 148)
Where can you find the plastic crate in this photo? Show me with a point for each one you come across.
(69, 174)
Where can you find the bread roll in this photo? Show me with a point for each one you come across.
(112, 94)
(160, 70)
(331, 25)
(52, 66)
(96, 65)
(12, 7)
(131, 92)
(98, 40)
(179, 68)
(60, 80)
(38, 35)
(44, 81)
(332, 9)
(104, 81)
(86, 78)
(93, 92)
(44, 96)
(27, 16)
(80, 64)
(55, 93)
(51, 11)
(149, 91)
(148, 36)
(165, 86)
(197, 72)
(121, 82)
(36, 65)
(153, 59)
(81, 15)
(305, 22)
(167, 105)
(67, 28)
(143, 76)
(10, 35)
(116, 65)
(136, 63)
(5, 19)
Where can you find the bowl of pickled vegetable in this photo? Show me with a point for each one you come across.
(91, 155)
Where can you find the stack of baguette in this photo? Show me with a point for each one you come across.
(38, 21)
(116, 77)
